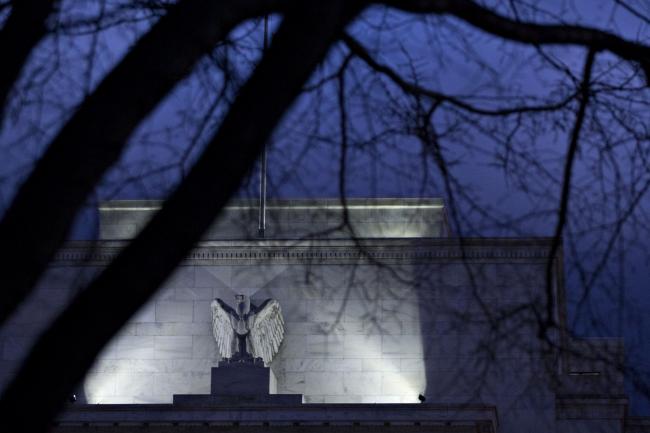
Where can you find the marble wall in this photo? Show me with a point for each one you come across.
(383, 326)
(354, 333)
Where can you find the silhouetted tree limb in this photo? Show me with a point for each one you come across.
(566, 189)
(415, 89)
(95, 137)
(531, 33)
(93, 140)
(634, 11)
(56, 362)
(24, 28)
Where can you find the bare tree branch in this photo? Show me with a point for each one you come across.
(68, 348)
(566, 187)
(640, 15)
(414, 89)
(531, 33)
(96, 135)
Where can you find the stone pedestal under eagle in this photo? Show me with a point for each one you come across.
(247, 332)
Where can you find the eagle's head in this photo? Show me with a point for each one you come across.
(243, 303)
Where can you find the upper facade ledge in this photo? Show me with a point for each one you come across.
(328, 251)
(306, 203)
(295, 218)
(468, 242)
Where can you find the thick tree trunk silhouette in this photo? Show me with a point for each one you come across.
(57, 363)
(23, 30)
(39, 219)
(95, 137)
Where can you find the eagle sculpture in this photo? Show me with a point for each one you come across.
(247, 332)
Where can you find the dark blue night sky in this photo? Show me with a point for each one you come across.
(498, 191)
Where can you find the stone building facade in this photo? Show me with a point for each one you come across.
(379, 314)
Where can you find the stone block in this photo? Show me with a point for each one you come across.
(293, 346)
(291, 383)
(295, 309)
(413, 364)
(151, 366)
(409, 399)
(205, 347)
(338, 276)
(294, 281)
(174, 328)
(401, 345)
(172, 347)
(363, 346)
(342, 364)
(325, 345)
(200, 365)
(215, 277)
(347, 399)
(313, 399)
(404, 310)
(110, 366)
(135, 385)
(168, 384)
(249, 279)
(379, 327)
(362, 383)
(202, 311)
(98, 386)
(134, 347)
(364, 310)
(303, 328)
(155, 328)
(183, 276)
(403, 384)
(324, 311)
(174, 311)
(324, 383)
(194, 294)
(381, 365)
(202, 328)
(118, 231)
(320, 364)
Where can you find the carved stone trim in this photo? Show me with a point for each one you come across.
(328, 252)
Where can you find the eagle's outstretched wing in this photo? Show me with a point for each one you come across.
(222, 328)
(267, 330)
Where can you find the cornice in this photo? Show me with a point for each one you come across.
(368, 251)
(304, 417)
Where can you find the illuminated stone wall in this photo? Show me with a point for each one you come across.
(380, 320)
(397, 320)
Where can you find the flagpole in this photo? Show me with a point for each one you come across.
(261, 228)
